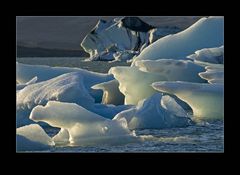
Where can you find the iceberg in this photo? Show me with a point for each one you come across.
(206, 100)
(33, 137)
(181, 70)
(121, 38)
(21, 86)
(82, 126)
(205, 33)
(135, 84)
(111, 93)
(69, 87)
(211, 55)
(25, 73)
(156, 112)
(213, 74)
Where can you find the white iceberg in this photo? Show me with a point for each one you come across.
(156, 112)
(181, 70)
(206, 100)
(84, 127)
(33, 137)
(205, 33)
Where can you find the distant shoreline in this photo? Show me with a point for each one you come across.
(23, 51)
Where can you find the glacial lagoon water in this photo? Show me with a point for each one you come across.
(204, 137)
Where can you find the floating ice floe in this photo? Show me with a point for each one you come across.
(205, 33)
(181, 70)
(206, 100)
(156, 112)
(210, 55)
(82, 126)
(33, 138)
(122, 38)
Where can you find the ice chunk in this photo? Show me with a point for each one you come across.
(206, 100)
(181, 70)
(35, 133)
(121, 39)
(67, 88)
(83, 126)
(213, 75)
(27, 72)
(21, 86)
(205, 33)
(156, 112)
(135, 84)
(62, 138)
(211, 55)
(111, 93)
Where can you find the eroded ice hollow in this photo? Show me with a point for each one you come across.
(206, 100)
(111, 92)
(205, 33)
(82, 127)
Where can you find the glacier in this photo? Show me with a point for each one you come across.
(205, 33)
